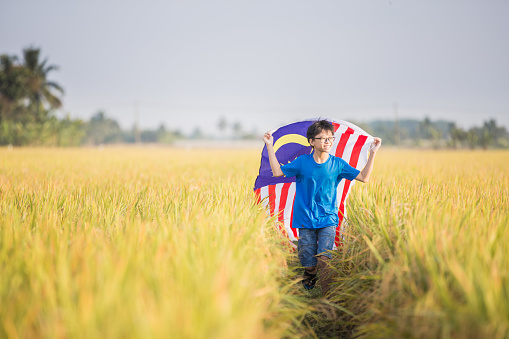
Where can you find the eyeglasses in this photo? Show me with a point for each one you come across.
(324, 140)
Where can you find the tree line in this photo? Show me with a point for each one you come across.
(28, 104)
(439, 134)
(29, 100)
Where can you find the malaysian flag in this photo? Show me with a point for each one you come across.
(278, 193)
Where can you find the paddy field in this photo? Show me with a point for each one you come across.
(169, 243)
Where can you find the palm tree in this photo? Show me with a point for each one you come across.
(40, 90)
(12, 88)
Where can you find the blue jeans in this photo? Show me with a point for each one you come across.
(313, 242)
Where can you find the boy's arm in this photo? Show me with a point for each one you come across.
(274, 164)
(366, 171)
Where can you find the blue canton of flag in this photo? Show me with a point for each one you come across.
(289, 142)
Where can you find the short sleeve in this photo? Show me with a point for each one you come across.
(348, 172)
(293, 168)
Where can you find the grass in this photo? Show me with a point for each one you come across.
(138, 243)
(129, 242)
(427, 248)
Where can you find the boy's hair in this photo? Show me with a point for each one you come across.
(318, 127)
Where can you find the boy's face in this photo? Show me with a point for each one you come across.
(323, 141)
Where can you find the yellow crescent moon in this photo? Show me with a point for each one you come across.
(290, 138)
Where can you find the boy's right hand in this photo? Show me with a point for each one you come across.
(268, 139)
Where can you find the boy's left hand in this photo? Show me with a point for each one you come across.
(375, 145)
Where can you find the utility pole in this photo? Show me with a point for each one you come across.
(396, 124)
(137, 138)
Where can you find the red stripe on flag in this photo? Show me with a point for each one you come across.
(339, 153)
(336, 126)
(282, 201)
(357, 150)
(342, 142)
(258, 197)
(272, 198)
(341, 212)
(294, 231)
(354, 158)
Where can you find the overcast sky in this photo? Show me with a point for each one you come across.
(267, 63)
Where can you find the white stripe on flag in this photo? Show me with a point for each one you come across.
(277, 199)
(363, 157)
(288, 211)
(264, 193)
(347, 154)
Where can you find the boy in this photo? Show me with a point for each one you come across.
(315, 212)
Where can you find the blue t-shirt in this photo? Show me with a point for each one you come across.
(316, 189)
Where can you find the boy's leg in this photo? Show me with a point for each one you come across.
(307, 247)
(326, 238)
(311, 269)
